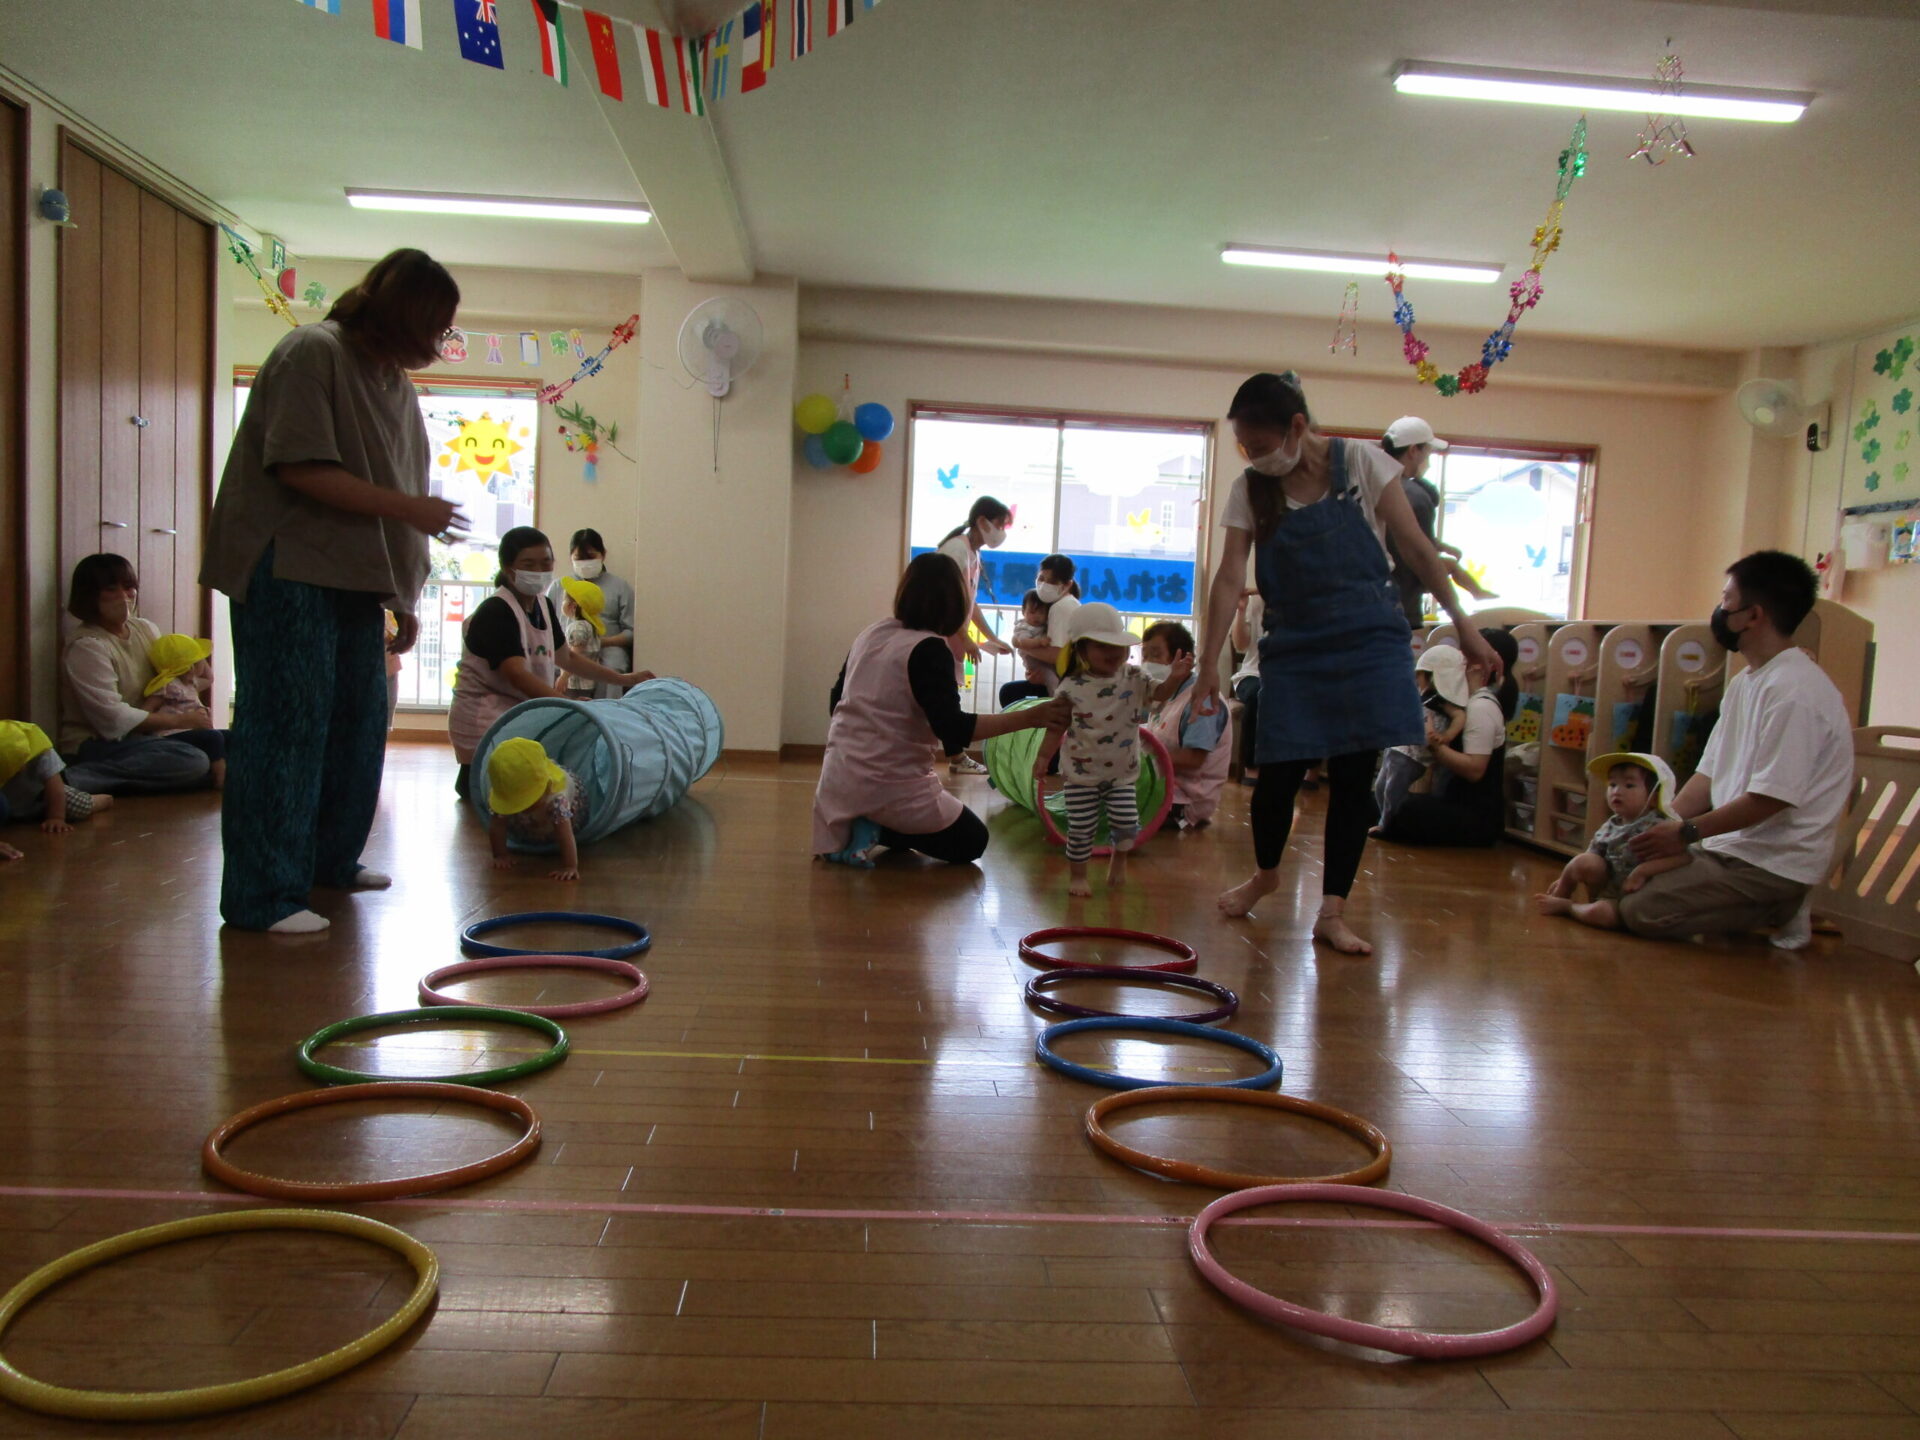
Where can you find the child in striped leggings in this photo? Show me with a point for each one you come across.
(1101, 760)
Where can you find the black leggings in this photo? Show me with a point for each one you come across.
(1247, 692)
(961, 843)
(1350, 814)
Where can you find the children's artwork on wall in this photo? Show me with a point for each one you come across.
(584, 435)
(1877, 430)
(529, 348)
(1626, 715)
(1524, 728)
(1572, 721)
(1900, 552)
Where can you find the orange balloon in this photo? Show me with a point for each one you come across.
(869, 461)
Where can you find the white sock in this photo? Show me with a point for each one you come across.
(301, 922)
(365, 879)
(1797, 933)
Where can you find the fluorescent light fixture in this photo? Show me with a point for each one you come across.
(1336, 263)
(1596, 92)
(505, 207)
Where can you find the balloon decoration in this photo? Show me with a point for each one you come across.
(842, 433)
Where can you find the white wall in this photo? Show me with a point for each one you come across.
(1656, 475)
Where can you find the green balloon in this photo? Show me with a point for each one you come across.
(814, 414)
(842, 442)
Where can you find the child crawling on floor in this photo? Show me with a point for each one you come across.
(1640, 790)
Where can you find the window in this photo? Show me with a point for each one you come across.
(482, 443)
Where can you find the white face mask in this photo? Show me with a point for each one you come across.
(1279, 462)
(532, 582)
(1155, 671)
(589, 569)
(1048, 593)
(993, 536)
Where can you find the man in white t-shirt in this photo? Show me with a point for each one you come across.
(1759, 817)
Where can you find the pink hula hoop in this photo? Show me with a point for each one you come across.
(1417, 1344)
(632, 996)
(1149, 825)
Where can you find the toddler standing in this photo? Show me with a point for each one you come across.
(582, 607)
(183, 680)
(1101, 751)
(1640, 790)
(534, 802)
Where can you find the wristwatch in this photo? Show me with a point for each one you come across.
(1689, 833)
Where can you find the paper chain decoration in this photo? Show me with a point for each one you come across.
(1524, 292)
(243, 252)
(1665, 134)
(622, 333)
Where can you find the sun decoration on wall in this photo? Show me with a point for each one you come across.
(483, 446)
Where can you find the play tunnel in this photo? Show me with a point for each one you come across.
(1011, 759)
(634, 757)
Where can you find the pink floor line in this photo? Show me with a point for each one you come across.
(973, 1217)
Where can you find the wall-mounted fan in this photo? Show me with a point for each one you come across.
(1774, 407)
(719, 341)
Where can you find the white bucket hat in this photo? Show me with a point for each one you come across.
(1099, 621)
(1665, 785)
(1448, 667)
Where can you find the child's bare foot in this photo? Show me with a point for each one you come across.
(1600, 914)
(1079, 887)
(504, 862)
(102, 802)
(1117, 870)
(1240, 900)
(1553, 903)
(1331, 928)
(7, 852)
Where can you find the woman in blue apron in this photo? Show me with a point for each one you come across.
(1336, 665)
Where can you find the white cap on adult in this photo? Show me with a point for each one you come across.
(1410, 430)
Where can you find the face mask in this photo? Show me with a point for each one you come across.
(1048, 593)
(993, 536)
(589, 569)
(1279, 462)
(532, 582)
(1728, 637)
(1155, 671)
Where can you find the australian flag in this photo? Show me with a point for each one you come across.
(479, 24)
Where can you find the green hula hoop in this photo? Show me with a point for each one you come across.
(432, 1015)
(1010, 763)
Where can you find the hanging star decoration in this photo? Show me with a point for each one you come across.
(1665, 135)
(1346, 332)
(1524, 293)
(590, 365)
(242, 252)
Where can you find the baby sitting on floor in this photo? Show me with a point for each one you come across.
(1640, 790)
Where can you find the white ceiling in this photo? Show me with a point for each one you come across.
(1084, 149)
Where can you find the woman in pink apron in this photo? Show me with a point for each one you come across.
(986, 526)
(895, 700)
(512, 646)
(1197, 743)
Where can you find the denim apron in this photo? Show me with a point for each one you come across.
(1336, 662)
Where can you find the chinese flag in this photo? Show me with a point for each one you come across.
(606, 59)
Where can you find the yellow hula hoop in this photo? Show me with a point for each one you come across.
(31, 1394)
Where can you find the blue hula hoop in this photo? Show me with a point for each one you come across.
(1107, 1080)
(472, 944)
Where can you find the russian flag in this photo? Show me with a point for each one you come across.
(799, 28)
(753, 67)
(398, 21)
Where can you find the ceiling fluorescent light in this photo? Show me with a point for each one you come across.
(1597, 92)
(1333, 263)
(503, 207)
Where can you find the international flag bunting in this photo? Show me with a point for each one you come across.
(332, 7)
(839, 15)
(687, 59)
(398, 21)
(753, 65)
(478, 22)
(799, 28)
(769, 33)
(720, 45)
(553, 39)
(606, 59)
(653, 66)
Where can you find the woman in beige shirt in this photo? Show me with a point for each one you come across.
(321, 521)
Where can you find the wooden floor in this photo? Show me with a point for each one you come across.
(1702, 1143)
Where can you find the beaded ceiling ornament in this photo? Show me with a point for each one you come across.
(1525, 292)
(1665, 135)
(1346, 333)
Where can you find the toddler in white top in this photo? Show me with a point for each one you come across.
(1100, 764)
(1032, 626)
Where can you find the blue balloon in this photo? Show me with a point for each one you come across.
(874, 422)
(816, 452)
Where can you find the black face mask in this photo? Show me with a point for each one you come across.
(1728, 637)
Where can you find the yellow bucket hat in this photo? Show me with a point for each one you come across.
(589, 597)
(172, 657)
(1665, 783)
(20, 741)
(519, 775)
